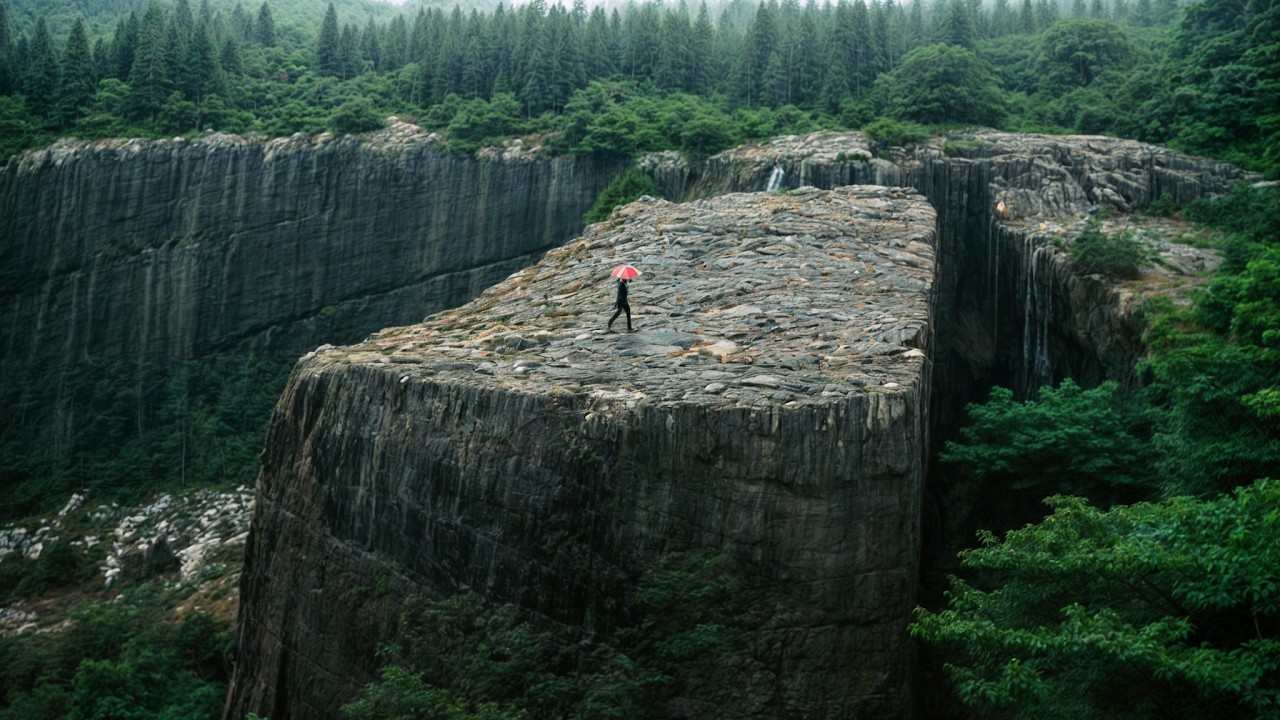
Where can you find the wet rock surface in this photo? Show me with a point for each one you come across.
(771, 406)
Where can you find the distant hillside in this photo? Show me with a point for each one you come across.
(305, 15)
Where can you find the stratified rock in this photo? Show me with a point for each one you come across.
(771, 406)
(160, 249)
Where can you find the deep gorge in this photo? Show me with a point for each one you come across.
(1008, 310)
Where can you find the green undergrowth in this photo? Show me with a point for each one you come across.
(464, 658)
(1168, 597)
(127, 658)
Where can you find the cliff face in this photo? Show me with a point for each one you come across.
(772, 406)
(1013, 312)
(168, 249)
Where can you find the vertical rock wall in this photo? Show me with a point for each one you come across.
(152, 250)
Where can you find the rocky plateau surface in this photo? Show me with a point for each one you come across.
(771, 405)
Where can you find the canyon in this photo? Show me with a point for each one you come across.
(474, 450)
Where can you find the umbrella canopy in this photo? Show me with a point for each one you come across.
(625, 272)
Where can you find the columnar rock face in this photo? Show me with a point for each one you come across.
(153, 250)
(772, 406)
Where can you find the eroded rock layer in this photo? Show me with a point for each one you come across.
(771, 406)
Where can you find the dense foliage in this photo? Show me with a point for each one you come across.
(1161, 608)
(121, 659)
(466, 659)
(628, 186)
(647, 76)
(1091, 443)
(1150, 610)
(126, 430)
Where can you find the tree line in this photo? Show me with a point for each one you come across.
(1200, 77)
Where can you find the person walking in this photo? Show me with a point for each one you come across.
(622, 306)
(623, 273)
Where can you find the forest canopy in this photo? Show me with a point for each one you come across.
(1200, 77)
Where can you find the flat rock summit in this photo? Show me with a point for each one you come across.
(745, 299)
(771, 407)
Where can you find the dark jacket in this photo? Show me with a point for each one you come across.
(622, 294)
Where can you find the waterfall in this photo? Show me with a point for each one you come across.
(1038, 305)
(775, 179)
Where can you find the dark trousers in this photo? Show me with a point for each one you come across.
(622, 307)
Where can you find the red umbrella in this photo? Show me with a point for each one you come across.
(625, 272)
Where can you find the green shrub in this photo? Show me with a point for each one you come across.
(355, 116)
(888, 131)
(630, 185)
(1115, 254)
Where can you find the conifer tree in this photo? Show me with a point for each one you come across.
(1002, 19)
(75, 84)
(6, 49)
(958, 27)
(123, 46)
(371, 47)
(200, 70)
(264, 27)
(675, 52)
(1027, 18)
(42, 71)
(229, 60)
(701, 46)
(151, 79)
(328, 60)
(349, 52)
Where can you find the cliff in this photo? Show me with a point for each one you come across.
(1013, 312)
(772, 406)
(152, 250)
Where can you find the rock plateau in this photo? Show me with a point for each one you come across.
(772, 406)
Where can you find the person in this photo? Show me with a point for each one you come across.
(621, 303)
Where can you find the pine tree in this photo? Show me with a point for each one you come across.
(264, 28)
(6, 50)
(328, 60)
(229, 60)
(349, 52)
(1027, 18)
(761, 40)
(151, 79)
(124, 44)
(675, 52)
(1002, 19)
(75, 85)
(371, 46)
(200, 70)
(702, 71)
(42, 71)
(958, 26)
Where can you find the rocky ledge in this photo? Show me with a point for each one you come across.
(770, 407)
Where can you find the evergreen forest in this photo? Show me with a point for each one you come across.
(1200, 77)
(1144, 581)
